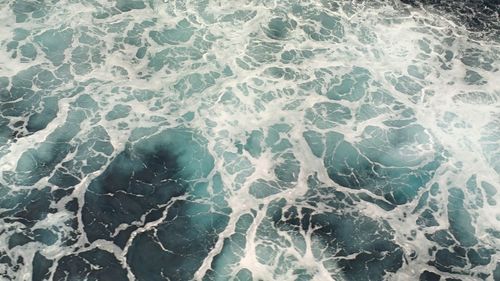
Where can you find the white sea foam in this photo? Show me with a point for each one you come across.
(237, 79)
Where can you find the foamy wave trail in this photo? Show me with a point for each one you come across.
(249, 140)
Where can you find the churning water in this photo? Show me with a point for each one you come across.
(249, 140)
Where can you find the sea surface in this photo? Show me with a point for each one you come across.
(249, 140)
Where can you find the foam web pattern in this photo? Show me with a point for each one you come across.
(248, 140)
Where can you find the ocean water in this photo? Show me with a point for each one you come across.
(249, 140)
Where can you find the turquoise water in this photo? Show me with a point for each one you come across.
(248, 140)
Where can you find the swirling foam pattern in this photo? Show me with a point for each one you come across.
(249, 140)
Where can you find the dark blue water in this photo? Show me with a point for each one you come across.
(249, 140)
